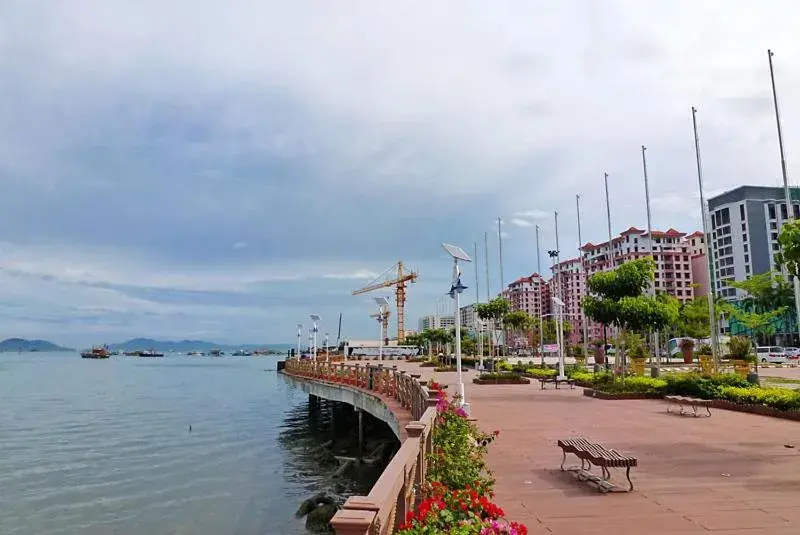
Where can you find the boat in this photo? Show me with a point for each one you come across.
(196, 354)
(216, 353)
(150, 353)
(97, 352)
(242, 353)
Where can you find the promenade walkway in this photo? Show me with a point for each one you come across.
(728, 474)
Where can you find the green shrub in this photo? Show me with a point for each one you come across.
(699, 386)
(504, 366)
(583, 377)
(540, 373)
(500, 375)
(779, 398)
(634, 385)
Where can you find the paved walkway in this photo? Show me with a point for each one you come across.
(728, 474)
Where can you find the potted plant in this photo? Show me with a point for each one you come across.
(705, 354)
(599, 354)
(637, 351)
(579, 355)
(687, 348)
(741, 354)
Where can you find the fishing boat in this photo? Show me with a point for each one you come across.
(242, 353)
(150, 353)
(97, 352)
(216, 353)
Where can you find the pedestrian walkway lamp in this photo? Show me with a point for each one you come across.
(327, 351)
(560, 336)
(456, 287)
(383, 312)
(299, 334)
(315, 319)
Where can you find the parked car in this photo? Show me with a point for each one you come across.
(771, 354)
(793, 353)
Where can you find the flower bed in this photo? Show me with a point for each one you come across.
(729, 391)
(444, 369)
(501, 378)
(428, 364)
(457, 494)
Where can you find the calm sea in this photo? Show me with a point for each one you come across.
(101, 447)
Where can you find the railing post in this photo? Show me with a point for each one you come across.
(352, 521)
(415, 430)
(371, 382)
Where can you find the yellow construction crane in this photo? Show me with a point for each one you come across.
(398, 277)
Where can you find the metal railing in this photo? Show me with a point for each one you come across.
(384, 509)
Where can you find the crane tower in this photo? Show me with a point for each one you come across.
(398, 277)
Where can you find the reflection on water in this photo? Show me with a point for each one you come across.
(97, 447)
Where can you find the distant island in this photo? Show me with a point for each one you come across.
(16, 345)
(184, 346)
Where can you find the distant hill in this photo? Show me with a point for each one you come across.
(185, 346)
(20, 344)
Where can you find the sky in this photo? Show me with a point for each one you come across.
(220, 170)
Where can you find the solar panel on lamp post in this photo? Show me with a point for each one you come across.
(456, 287)
(315, 318)
(383, 309)
(560, 336)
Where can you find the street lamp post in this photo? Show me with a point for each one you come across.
(383, 310)
(327, 351)
(315, 318)
(299, 334)
(456, 287)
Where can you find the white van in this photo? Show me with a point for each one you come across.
(771, 354)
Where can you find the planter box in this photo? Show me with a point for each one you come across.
(428, 364)
(445, 369)
(509, 381)
(763, 410)
(620, 396)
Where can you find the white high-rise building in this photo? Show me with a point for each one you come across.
(745, 223)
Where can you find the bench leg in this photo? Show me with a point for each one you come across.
(708, 409)
(694, 408)
(563, 459)
(669, 404)
(628, 476)
(542, 383)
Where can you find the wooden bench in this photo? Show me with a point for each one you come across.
(591, 454)
(693, 402)
(556, 381)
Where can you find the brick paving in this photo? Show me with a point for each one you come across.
(728, 474)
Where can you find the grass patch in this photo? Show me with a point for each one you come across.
(780, 380)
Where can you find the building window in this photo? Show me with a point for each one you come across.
(725, 215)
(771, 209)
(744, 227)
(741, 212)
(745, 247)
(783, 212)
(746, 258)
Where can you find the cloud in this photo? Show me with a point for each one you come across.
(532, 214)
(334, 144)
(359, 274)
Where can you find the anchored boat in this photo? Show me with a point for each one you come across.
(98, 352)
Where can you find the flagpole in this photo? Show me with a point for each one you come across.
(709, 250)
(657, 356)
(583, 270)
(539, 293)
(787, 191)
